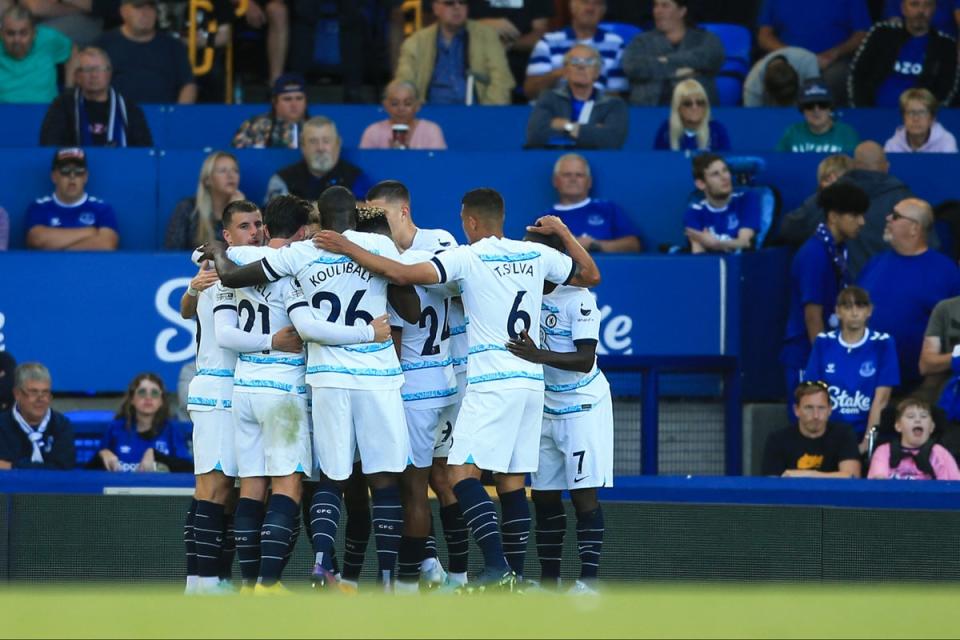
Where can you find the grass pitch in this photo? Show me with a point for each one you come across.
(670, 611)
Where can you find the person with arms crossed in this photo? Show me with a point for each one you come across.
(724, 220)
(498, 427)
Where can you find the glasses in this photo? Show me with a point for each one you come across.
(580, 61)
(896, 215)
(917, 113)
(823, 106)
(35, 394)
(152, 393)
(68, 172)
(94, 69)
(696, 102)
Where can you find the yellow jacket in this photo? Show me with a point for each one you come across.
(485, 55)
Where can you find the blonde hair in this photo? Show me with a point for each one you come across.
(203, 207)
(920, 95)
(689, 88)
(837, 165)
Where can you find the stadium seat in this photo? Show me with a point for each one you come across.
(736, 64)
(625, 30)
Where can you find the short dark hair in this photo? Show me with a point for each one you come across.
(781, 82)
(702, 162)
(551, 240)
(237, 206)
(389, 190)
(338, 209)
(373, 220)
(285, 214)
(484, 203)
(843, 197)
(853, 295)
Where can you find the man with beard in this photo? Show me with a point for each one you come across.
(29, 58)
(321, 166)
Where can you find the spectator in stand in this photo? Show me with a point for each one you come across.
(724, 220)
(70, 219)
(690, 127)
(444, 59)
(321, 166)
(774, 81)
(944, 16)
(906, 283)
(149, 67)
(799, 224)
(655, 61)
(8, 365)
(859, 365)
(546, 67)
(818, 133)
(4, 229)
(32, 435)
(915, 456)
(832, 29)
(600, 226)
(578, 114)
(814, 447)
(94, 114)
(920, 133)
(402, 129)
(276, 15)
(81, 21)
(817, 275)
(29, 58)
(198, 220)
(520, 25)
(282, 126)
(141, 437)
(903, 53)
(938, 351)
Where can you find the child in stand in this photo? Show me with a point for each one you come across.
(915, 456)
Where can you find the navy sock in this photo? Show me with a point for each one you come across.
(456, 534)
(293, 541)
(551, 527)
(324, 521)
(275, 535)
(189, 544)
(409, 559)
(247, 520)
(430, 550)
(590, 542)
(387, 524)
(229, 549)
(208, 534)
(481, 519)
(515, 511)
(356, 537)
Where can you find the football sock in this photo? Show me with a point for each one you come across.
(275, 535)
(190, 547)
(551, 527)
(590, 542)
(208, 536)
(248, 518)
(229, 549)
(456, 535)
(387, 524)
(516, 527)
(481, 519)
(356, 537)
(410, 556)
(293, 541)
(324, 521)
(430, 551)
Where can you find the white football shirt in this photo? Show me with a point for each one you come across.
(212, 386)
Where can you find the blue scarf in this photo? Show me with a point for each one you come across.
(116, 124)
(838, 256)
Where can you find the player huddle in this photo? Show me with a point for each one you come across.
(418, 369)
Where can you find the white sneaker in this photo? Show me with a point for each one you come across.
(432, 574)
(219, 588)
(192, 587)
(580, 588)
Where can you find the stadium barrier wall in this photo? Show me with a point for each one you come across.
(93, 527)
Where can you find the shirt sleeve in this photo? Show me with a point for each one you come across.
(61, 48)
(313, 329)
(880, 463)
(889, 367)
(692, 219)
(35, 217)
(539, 59)
(184, 72)
(557, 267)
(847, 443)
(286, 261)
(108, 218)
(622, 224)
(229, 335)
(944, 463)
(452, 265)
(584, 317)
(937, 325)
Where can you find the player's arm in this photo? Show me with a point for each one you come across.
(312, 329)
(395, 272)
(204, 279)
(229, 335)
(231, 274)
(580, 360)
(585, 274)
(405, 302)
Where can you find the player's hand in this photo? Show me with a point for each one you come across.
(147, 462)
(205, 278)
(209, 250)
(549, 225)
(332, 241)
(287, 339)
(110, 460)
(524, 347)
(381, 328)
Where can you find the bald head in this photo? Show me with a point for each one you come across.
(870, 156)
(919, 210)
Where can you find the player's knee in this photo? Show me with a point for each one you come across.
(545, 497)
(584, 500)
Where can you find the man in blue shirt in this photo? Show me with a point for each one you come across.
(724, 220)
(69, 219)
(599, 225)
(906, 283)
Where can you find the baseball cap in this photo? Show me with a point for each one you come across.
(289, 83)
(70, 155)
(814, 91)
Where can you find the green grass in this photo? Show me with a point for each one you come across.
(649, 611)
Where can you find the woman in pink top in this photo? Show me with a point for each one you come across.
(915, 456)
(402, 130)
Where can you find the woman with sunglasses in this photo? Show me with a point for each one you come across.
(859, 366)
(141, 438)
(690, 127)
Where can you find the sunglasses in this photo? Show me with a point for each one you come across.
(697, 102)
(895, 215)
(68, 172)
(143, 393)
(823, 106)
(819, 384)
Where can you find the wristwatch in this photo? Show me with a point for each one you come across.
(569, 127)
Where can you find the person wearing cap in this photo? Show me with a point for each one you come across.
(818, 133)
(283, 125)
(29, 58)
(402, 129)
(903, 53)
(774, 81)
(69, 219)
(149, 67)
(94, 114)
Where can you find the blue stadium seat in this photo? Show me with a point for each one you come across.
(736, 65)
(625, 30)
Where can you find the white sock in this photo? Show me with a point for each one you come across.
(428, 565)
(191, 584)
(458, 578)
